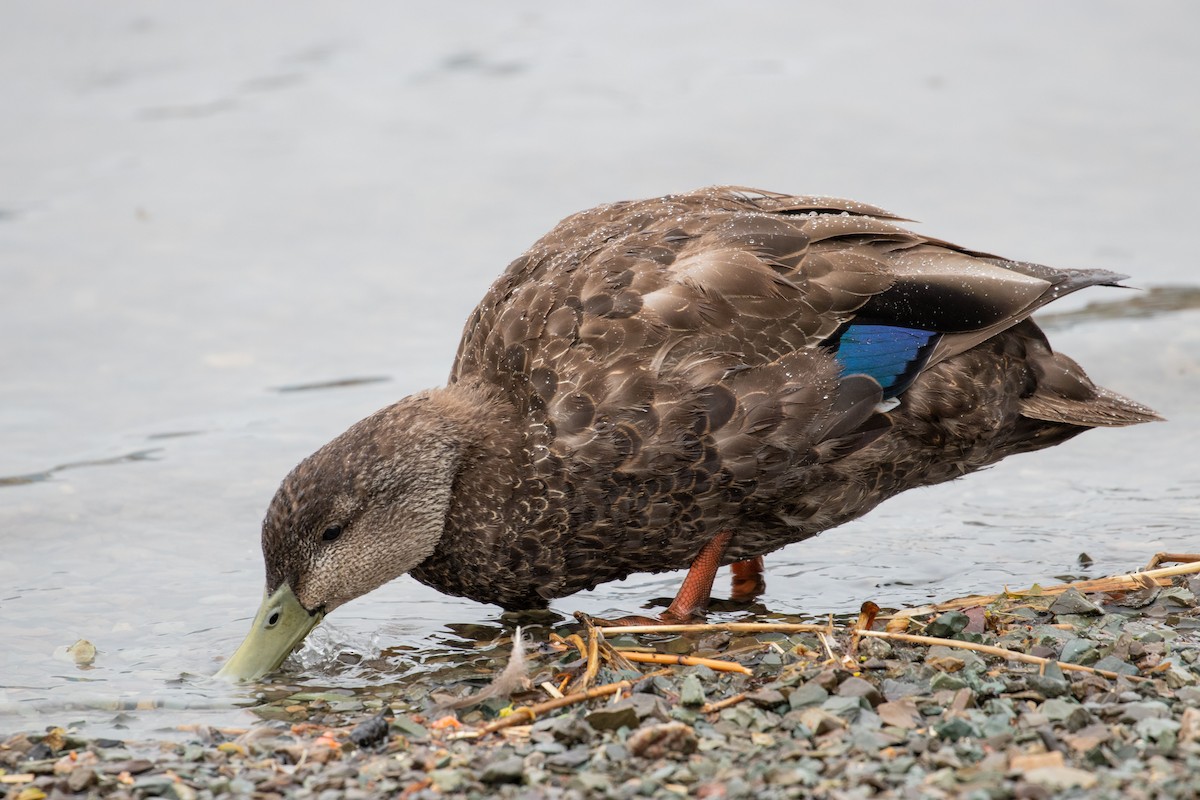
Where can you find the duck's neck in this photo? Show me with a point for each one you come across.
(474, 556)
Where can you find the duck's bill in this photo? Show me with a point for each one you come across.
(279, 627)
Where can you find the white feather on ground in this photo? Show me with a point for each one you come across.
(513, 678)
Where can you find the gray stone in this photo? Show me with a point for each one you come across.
(449, 780)
(955, 729)
(80, 778)
(1114, 664)
(1079, 651)
(857, 687)
(810, 694)
(1073, 602)
(592, 783)
(1145, 709)
(898, 690)
(946, 680)
(1156, 728)
(875, 648)
(570, 760)
(609, 718)
(844, 707)
(767, 698)
(948, 625)
(691, 693)
(507, 770)
(1072, 715)
(1047, 686)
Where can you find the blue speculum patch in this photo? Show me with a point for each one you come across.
(891, 355)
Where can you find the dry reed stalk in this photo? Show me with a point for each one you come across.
(721, 705)
(1011, 655)
(1114, 583)
(686, 661)
(525, 714)
(715, 627)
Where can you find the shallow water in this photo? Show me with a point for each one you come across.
(225, 236)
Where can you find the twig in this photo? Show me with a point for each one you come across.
(687, 661)
(1174, 558)
(721, 705)
(1133, 580)
(530, 713)
(593, 658)
(1012, 655)
(733, 627)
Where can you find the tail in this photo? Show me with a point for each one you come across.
(1065, 394)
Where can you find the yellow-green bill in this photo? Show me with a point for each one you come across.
(279, 627)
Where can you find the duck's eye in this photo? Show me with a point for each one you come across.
(331, 533)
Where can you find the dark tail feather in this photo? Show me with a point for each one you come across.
(1065, 394)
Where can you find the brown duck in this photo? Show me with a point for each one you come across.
(693, 380)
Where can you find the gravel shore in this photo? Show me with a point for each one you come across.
(837, 714)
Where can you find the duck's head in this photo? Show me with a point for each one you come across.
(364, 509)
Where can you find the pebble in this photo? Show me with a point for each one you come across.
(692, 691)
(921, 722)
(810, 694)
(610, 718)
(1073, 602)
(512, 769)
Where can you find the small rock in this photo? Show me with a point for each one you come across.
(507, 770)
(610, 718)
(1189, 725)
(945, 663)
(370, 732)
(1114, 664)
(1047, 686)
(857, 687)
(691, 693)
(83, 653)
(899, 713)
(844, 707)
(661, 740)
(955, 729)
(449, 780)
(81, 778)
(767, 698)
(411, 729)
(1073, 602)
(592, 783)
(897, 690)
(154, 785)
(181, 791)
(1145, 709)
(1079, 651)
(948, 625)
(1156, 728)
(944, 680)
(810, 694)
(570, 760)
(820, 721)
(567, 729)
(1061, 778)
(875, 648)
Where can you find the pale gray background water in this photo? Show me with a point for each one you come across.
(203, 204)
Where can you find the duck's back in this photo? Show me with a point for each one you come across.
(747, 361)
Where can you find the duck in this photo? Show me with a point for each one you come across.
(688, 381)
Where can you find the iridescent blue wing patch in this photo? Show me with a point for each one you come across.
(892, 355)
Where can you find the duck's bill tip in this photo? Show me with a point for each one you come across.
(279, 628)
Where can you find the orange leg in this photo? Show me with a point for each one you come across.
(692, 599)
(748, 582)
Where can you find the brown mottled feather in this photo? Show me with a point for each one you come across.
(651, 373)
